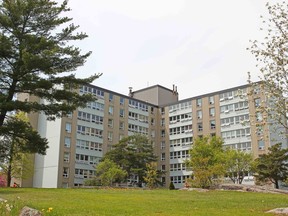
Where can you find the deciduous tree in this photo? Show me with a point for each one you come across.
(238, 164)
(108, 172)
(271, 54)
(207, 160)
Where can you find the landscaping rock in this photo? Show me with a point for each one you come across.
(26, 211)
(251, 188)
(279, 211)
(198, 189)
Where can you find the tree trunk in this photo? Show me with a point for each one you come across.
(9, 170)
(232, 178)
(9, 176)
(241, 177)
(276, 184)
(2, 117)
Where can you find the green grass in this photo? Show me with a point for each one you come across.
(144, 202)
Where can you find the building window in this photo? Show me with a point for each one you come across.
(212, 124)
(95, 146)
(200, 127)
(68, 127)
(228, 108)
(133, 115)
(152, 133)
(121, 113)
(152, 121)
(82, 158)
(97, 119)
(96, 105)
(66, 157)
(259, 117)
(110, 111)
(110, 123)
(261, 145)
(241, 105)
(82, 144)
(199, 102)
(163, 144)
(162, 133)
(199, 114)
(256, 90)
(67, 142)
(121, 136)
(211, 100)
(163, 168)
(69, 115)
(65, 172)
(163, 180)
(185, 154)
(162, 110)
(121, 101)
(257, 102)
(84, 116)
(259, 130)
(94, 91)
(83, 173)
(163, 122)
(186, 141)
(110, 136)
(226, 96)
(162, 156)
(152, 110)
(110, 97)
(212, 112)
(143, 118)
(176, 179)
(82, 129)
(121, 125)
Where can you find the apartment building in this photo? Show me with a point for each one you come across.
(78, 141)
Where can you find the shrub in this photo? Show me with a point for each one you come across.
(171, 186)
(92, 182)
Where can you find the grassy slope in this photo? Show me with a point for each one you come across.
(146, 202)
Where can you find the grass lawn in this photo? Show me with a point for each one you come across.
(142, 202)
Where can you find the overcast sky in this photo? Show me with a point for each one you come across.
(200, 46)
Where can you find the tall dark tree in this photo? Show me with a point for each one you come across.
(132, 153)
(272, 166)
(35, 54)
(19, 137)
